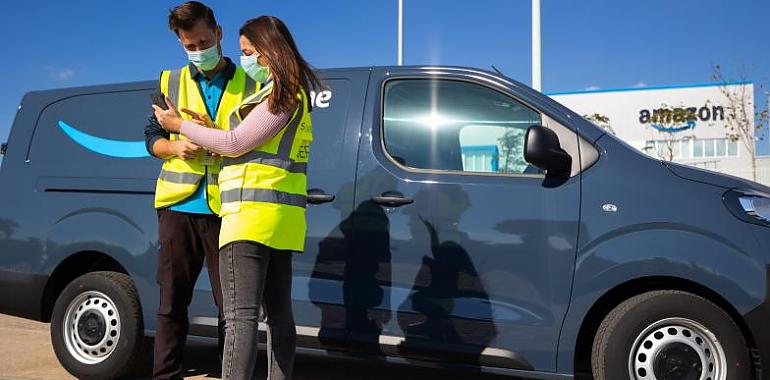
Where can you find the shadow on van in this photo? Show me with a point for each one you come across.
(361, 259)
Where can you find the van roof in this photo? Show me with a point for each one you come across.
(149, 84)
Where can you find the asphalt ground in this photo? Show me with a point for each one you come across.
(26, 354)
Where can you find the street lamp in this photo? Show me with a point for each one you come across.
(536, 63)
(400, 32)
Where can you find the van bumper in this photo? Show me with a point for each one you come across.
(758, 322)
(21, 294)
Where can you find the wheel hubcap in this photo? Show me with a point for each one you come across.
(91, 327)
(677, 349)
(677, 361)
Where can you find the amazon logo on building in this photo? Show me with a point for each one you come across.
(677, 119)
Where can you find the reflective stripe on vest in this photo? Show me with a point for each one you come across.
(173, 93)
(180, 178)
(176, 177)
(269, 160)
(264, 195)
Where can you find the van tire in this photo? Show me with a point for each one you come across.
(668, 324)
(112, 325)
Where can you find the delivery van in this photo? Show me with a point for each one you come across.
(456, 218)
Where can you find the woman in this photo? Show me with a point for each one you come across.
(263, 189)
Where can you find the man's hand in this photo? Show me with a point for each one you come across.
(185, 149)
(169, 119)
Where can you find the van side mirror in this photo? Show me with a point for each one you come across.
(3, 149)
(542, 150)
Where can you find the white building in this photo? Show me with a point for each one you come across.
(685, 124)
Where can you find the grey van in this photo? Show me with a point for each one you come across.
(455, 218)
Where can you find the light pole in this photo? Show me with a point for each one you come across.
(536, 73)
(400, 32)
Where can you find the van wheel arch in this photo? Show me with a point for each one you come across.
(71, 268)
(614, 297)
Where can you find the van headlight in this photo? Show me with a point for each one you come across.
(749, 205)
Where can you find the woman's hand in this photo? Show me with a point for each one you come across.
(169, 119)
(199, 118)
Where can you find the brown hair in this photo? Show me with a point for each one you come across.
(188, 14)
(291, 73)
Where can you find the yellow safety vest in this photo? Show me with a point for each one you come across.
(264, 192)
(180, 178)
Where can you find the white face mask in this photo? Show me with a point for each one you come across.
(205, 60)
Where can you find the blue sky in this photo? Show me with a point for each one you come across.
(586, 43)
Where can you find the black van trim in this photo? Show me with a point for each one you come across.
(21, 293)
(757, 322)
(391, 346)
(95, 185)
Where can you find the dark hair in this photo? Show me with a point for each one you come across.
(291, 73)
(188, 14)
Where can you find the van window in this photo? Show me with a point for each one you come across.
(455, 126)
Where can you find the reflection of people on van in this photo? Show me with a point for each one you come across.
(7, 226)
(445, 277)
(436, 299)
(363, 256)
(263, 188)
(367, 269)
(187, 195)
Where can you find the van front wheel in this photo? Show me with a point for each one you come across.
(96, 326)
(668, 334)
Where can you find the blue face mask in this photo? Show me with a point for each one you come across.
(205, 60)
(253, 69)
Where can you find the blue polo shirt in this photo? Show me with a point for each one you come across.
(211, 91)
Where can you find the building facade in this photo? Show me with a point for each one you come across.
(684, 124)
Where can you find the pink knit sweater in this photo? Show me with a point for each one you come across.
(259, 126)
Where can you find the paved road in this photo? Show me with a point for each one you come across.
(26, 354)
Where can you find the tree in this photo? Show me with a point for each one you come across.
(601, 121)
(667, 153)
(742, 121)
(512, 142)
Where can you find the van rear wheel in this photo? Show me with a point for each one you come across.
(96, 326)
(669, 335)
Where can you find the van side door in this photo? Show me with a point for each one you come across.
(460, 250)
(318, 271)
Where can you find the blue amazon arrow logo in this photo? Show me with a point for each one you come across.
(112, 148)
(690, 125)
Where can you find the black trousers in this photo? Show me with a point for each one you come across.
(186, 240)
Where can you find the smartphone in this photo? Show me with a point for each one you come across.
(159, 100)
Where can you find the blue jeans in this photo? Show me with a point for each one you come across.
(252, 275)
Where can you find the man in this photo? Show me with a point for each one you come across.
(187, 193)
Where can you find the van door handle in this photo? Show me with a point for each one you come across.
(392, 199)
(318, 196)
